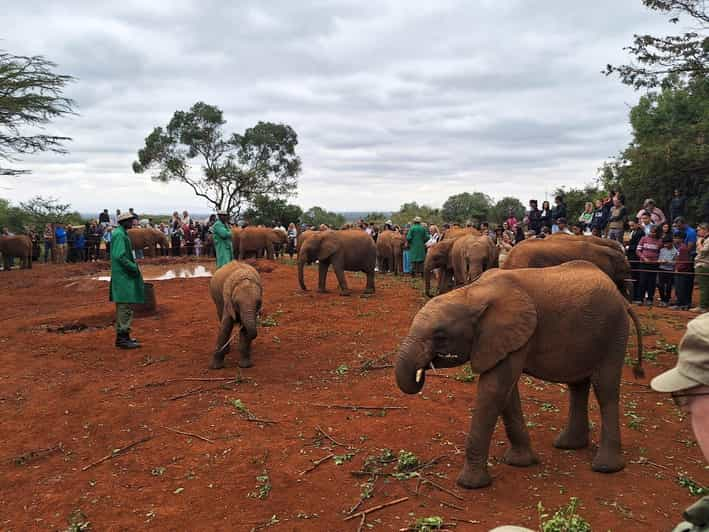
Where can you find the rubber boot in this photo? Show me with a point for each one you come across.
(123, 341)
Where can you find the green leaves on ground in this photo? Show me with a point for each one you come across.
(565, 519)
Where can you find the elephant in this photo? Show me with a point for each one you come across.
(237, 294)
(347, 250)
(150, 238)
(471, 256)
(456, 232)
(532, 321)
(16, 246)
(606, 242)
(257, 239)
(390, 249)
(438, 257)
(540, 253)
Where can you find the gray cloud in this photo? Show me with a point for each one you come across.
(393, 101)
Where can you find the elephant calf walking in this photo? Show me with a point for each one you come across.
(237, 294)
(564, 323)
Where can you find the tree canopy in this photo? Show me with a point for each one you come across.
(31, 95)
(317, 216)
(498, 213)
(409, 211)
(467, 207)
(267, 211)
(685, 56)
(233, 169)
(35, 212)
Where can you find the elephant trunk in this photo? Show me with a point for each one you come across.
(301, 265)
(247, 316)
(413, 357)
(427, 269)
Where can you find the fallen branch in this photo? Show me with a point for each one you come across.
(375, 508)
(115, 453)
(37, 453)
(317, 463)
(361, 523)
(360, 407)
(429, 463)
(195, 391)
(635, 383)
(427, 480)
(259, 420)
(451, 505)
(326, 435)
(189, 434)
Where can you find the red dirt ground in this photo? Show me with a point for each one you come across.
(68, 399)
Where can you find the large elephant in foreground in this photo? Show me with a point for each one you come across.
(471, 256)
(237, 294)
(148, 238)
(16, 246)
(390, 249)
(438, 257)
(541, 253)
(256, 240)
(348, 250)
(533, 321)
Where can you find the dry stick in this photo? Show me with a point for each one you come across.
(361, 523)
(189, 434)
(635, 383)
(317, 463)
(333, 440)
(115, 453)
(259, 420)
(451, 505)
(359, 407)
(375, 508)
(202, 389)
(442, 488)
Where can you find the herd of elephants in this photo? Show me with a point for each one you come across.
(544, 312)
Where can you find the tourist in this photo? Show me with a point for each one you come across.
(417, 237)
(126, 286)
(586, 217)
(60, 240)
(511, 219)
(103, 218)
(222, 239)
(106, 237)
(558, 211)
(561, 226)
(636, 234)
(176, 234)
(688, 382)
(292, 242)
(598, 220)
(684, 277)
(648, 251)
(519, 234)
(646, 222)
(534, 222)
(666, 259)
(701, 268)
(678, 205)
(48, 243)
(545, 215)
(577, 229)
(435, 236)
(505, 246)
(617, 220)
(666, 229)
(657, 217)
(690, 235)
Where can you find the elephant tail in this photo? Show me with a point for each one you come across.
(638, 371)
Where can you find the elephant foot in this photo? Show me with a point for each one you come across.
(245, 363)
(217, 363)
(473, 480)
(368, 291)
(608, 462)
(520, 457)
(345, 293)
(570, 440)
(322, 291)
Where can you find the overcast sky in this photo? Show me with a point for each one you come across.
(393, 101)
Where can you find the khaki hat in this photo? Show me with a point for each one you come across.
(125, 216)
(692, 367)
(417, 219)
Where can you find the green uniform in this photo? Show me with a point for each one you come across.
(222, 243)
(126, 281)
(417, 238)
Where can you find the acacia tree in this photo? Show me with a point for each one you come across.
(466, 207)
(30, 97)
(233, 170)
(685, 55)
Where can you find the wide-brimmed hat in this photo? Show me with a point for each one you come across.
(692, 367)
(125, 216)
(417, 219)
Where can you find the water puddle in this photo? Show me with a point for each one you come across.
(164, 273)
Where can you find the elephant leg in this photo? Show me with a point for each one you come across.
(269, 251)
(520, 453)
(223, 347)
(342, 281)
(244, 350)
(575, 435)
(323, 265)
(494, 389)
(442, 280)
(370, 282)
(606, 385)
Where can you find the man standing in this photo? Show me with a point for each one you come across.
(222, 239)
(617, 220)
(417, 238)
(126, 281)
(60, 239)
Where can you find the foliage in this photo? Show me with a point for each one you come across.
(30, 96)
(466, 374)
(340, 459)
(263, 486)
(272, 211)
(498, 213)
(564, 520)
(406, 461)
(467, 207)
(695, 490)
(35, 212)
(317, 216)
(409, 211)
(427, 524)
(576, 198)
(377, 218)
(234, 170)
(78, 522)
(342, 369)
(669, 148)
(656, 58)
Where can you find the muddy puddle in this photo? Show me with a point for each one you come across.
(163, 273)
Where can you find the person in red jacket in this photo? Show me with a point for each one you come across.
(648, 251)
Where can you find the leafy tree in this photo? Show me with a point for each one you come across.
(499, 212)
(685, 56)
(669, 148)
(377, 218)
(35, 212)
(317, 216)
(234, 170)
(466, 207)
(409, 211)
(30, 97)
(576, 198)
(266, 211)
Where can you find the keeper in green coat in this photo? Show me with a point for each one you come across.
(126, 281)
(417, 238)
(222, 239)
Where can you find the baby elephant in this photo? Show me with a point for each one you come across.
(236, 291)
(565, 323)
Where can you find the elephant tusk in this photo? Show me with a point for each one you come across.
(419, 375)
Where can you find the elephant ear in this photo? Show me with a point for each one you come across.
(328, 247)
(504, 317)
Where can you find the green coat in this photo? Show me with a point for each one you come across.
(126, 280)
(417, 238)
(222, 243)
